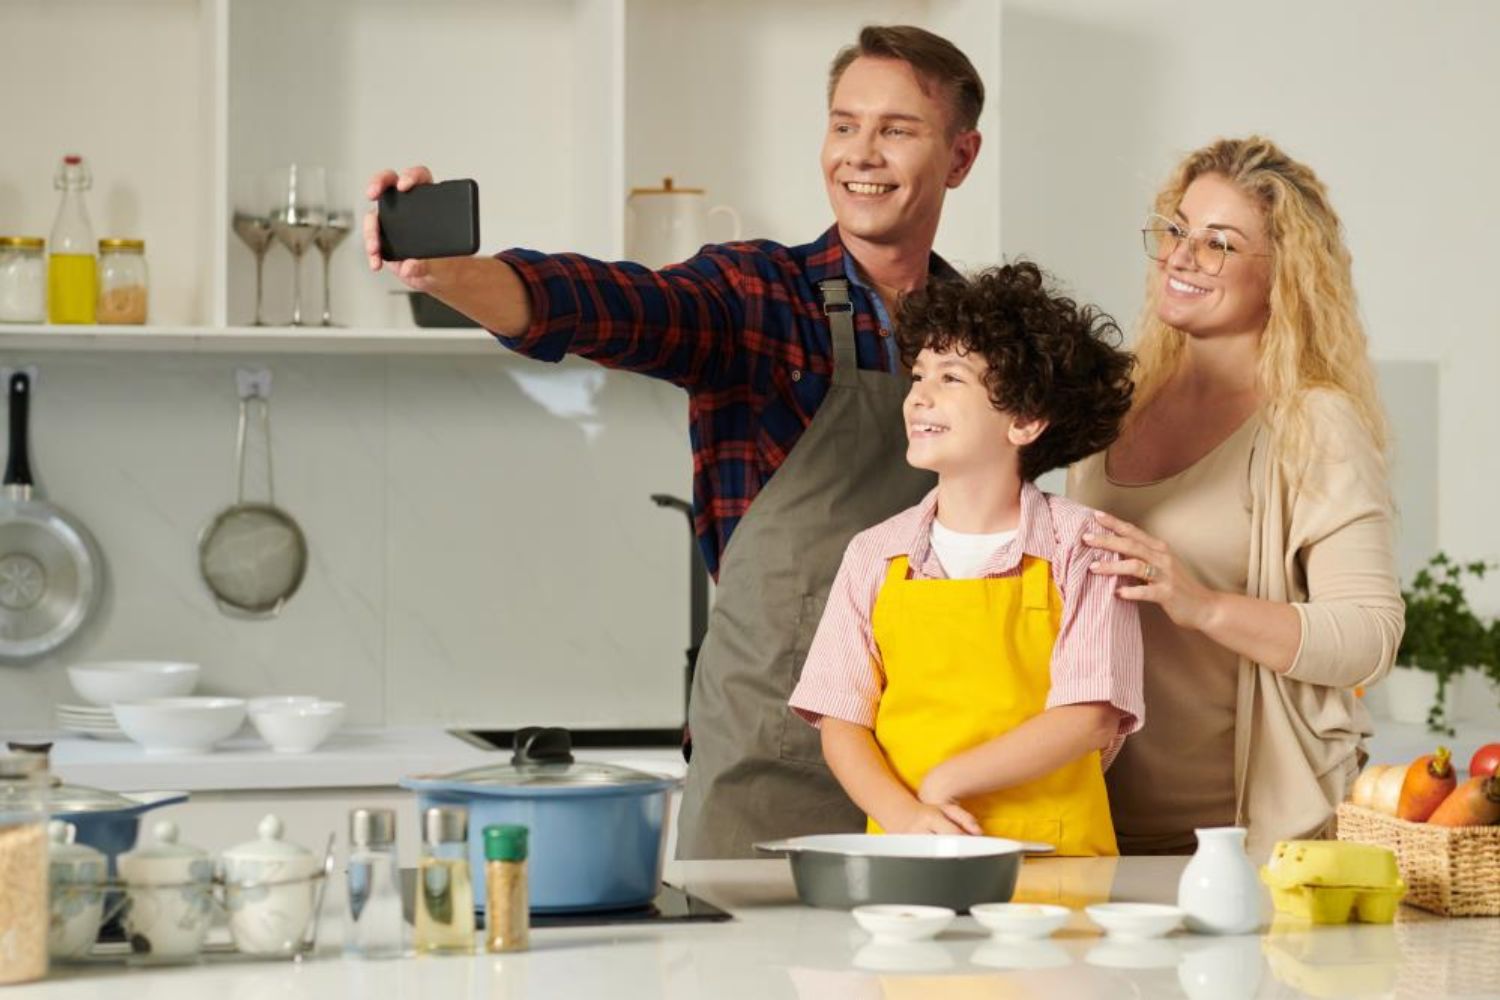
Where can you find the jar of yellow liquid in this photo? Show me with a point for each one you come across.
(72, 268)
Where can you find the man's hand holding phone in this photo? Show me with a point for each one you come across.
(428, 234)
(416, 220)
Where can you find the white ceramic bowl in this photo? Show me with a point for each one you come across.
(1135, 921)
(898, 923)
(180, 725)
(1020, 921)
(132, 680)
(295, 724)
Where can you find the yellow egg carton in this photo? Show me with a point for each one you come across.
(1334, 881)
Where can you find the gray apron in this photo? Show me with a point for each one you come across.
(757, 771)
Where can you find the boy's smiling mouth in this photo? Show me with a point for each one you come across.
(925, 429)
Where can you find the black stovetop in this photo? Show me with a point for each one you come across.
(671, 905)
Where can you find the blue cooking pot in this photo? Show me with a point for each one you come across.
(596, 829)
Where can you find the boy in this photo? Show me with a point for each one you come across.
(969, 671)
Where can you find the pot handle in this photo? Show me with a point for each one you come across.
(18, 464)
(542, 745)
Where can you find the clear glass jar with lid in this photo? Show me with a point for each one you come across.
(122, 281)
(23, 867)
(23, 279)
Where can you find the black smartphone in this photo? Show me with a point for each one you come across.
(430, 220)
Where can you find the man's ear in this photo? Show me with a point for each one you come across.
(965, 152)
(1024, 432)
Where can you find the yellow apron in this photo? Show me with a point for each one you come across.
(968, 660)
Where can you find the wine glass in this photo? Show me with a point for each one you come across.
(330, 234)
(252, 225)
(299, 210)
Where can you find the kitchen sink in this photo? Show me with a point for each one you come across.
(583, 739)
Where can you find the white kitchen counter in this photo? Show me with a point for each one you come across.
(776, 948)
(352, 758)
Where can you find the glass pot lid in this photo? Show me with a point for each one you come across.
(543, 758)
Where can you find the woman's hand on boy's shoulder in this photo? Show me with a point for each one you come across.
(1150, 571)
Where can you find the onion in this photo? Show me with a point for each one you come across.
(1388, 789)
(1363, 792)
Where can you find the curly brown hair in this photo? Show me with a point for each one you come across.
(1049, 357)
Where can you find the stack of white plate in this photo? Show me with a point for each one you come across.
(94, 721)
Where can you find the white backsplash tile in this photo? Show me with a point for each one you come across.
(482, 548)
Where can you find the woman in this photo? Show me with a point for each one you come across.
(1252, 515)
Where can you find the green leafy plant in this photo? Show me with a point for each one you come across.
(1443, 634)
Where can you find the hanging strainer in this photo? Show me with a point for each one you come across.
(253, 555)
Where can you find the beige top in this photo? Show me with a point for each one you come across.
(1203, 512)
(1324, 546)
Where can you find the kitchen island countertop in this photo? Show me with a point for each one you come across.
(776, 948)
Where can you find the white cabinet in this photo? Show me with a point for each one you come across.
(556, 107)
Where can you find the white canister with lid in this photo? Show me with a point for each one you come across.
(23, 279)
(669, 224)
(269, 891)
(76, 883)
(169, 897)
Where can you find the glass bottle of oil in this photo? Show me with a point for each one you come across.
(445, 887)
(72, 268)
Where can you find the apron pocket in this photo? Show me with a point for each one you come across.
(799, 741)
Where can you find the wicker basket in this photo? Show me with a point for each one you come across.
(1454, 871)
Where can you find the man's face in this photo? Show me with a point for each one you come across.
(888, 158)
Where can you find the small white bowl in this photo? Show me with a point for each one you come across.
(132, 680)
(295, 724)
(180, 725)
(1135, 921)
(1020, 921)
(898, 923)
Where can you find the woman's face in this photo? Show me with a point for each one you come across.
(1237, 299)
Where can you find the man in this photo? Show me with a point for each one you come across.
(795, 389)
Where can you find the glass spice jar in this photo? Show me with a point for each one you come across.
(23, 279)
(24, 916)
(122, 281)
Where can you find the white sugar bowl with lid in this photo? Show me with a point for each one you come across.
(268, 889)
(76, 883)
(169, 894)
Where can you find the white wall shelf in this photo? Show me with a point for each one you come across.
(249, 340)
(556, 107)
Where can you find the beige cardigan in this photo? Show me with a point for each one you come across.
(1325, 546)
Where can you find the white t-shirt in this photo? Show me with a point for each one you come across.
(963, 554)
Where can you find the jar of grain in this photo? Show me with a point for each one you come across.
(23, 279)
(23, 867)
(122, 281)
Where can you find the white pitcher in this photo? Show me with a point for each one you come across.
(1218, 892)
(669, 224)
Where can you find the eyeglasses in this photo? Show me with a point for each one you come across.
(1209, 247)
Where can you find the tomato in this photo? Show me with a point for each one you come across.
(1486, 760)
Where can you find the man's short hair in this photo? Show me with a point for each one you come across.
(1049, 358)
(936, 61)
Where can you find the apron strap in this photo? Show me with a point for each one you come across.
(839, 309)
(1036, 581)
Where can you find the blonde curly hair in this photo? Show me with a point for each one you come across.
(1313, 337)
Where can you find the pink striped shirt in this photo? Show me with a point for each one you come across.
(1097, 656)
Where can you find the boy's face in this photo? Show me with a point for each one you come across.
(952, 427)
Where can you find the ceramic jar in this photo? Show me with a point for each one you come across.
(169, 897)
(1218, 891)
(269, 891)
(669, 224)
(76, 876)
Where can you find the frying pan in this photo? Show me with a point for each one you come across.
(51, 574)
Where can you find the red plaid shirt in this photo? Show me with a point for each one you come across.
(740, 326)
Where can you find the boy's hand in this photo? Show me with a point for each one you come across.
(928, 817)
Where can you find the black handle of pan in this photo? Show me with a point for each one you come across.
(18, 465)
